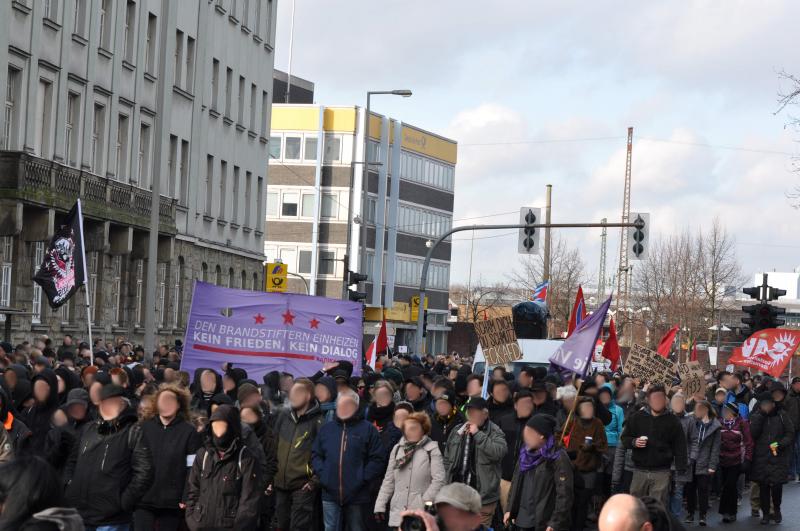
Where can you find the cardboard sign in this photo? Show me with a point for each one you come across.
(692, 377)
(498, 340)
(649, 366)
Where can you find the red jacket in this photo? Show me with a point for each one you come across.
(736, 443)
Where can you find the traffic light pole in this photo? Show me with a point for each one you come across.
(423, 282)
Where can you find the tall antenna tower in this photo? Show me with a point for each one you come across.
(601, 281)
(623, 277)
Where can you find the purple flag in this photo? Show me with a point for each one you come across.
(575, 354)
(262, 332)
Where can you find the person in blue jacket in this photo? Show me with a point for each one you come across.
(613, 430)
(347, 455)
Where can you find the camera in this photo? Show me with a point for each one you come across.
(415, 523)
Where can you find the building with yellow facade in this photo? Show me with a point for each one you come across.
(317, 201)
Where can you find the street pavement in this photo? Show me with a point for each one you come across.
(790, 508)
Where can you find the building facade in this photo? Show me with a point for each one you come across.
(315, 209)
(107, 100)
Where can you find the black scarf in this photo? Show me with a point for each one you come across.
(379, 416)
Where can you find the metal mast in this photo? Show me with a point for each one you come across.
(601, 281)
(624, 271)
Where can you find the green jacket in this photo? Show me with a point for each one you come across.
(295, 437)
(490, 448)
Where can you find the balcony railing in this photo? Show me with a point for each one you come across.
(52, 184)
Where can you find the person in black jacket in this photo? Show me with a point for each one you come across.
(414, 391)
(38, 416)
(224, 484)
(18, 433)
(254, 417)
(656, 439)
(207, 383)
(542, 402)
(113, 469)
(166, 427)
(500, 402)
(444, 419)
(512, 426)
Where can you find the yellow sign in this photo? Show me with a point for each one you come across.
(398, 312)
(276, 277)
(415, 307)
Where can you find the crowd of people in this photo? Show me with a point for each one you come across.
(94, 437)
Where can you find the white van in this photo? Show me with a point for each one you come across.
(535, 353)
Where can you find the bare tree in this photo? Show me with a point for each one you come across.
(719, 269)
(789, 98)
(479, 297)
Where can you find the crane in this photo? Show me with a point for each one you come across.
(623, 278)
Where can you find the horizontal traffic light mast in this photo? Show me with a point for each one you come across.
(763, 315)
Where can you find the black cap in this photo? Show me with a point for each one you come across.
(477, 403)
(777, 386)
(544, 424)
(795, 380)
(111, 391)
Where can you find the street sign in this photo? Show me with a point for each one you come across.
(276, 277)
(529, 236)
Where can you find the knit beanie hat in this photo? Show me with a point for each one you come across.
(544, 424)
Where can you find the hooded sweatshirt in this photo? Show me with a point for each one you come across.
(38, 416)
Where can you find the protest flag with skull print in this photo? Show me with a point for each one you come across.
(62, 272)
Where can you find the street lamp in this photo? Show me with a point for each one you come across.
(405, 93)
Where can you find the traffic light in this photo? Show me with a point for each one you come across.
(424, 323)
(351, 278)
(762, 316)
(774, 293)
(529, 236)
(638, 236)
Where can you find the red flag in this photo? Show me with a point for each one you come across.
(694, 352)
(665, 345)
(578, 313)
(767, 350)
(611, 347)
(379, 344)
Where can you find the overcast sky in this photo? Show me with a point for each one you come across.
(692, 78)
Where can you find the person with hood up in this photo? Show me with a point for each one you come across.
(605, 395)
(346, 456)
(500, 402)
(114, 469)
(19, 436)
(230, 382)
(31, 498)
(445, 418)
(38, 416)
(773, 436)
(166, 427)
(735, 457)
(415, 472)
(253, 417)
(679, 481)
(414, 392)
(704, 459)
(295, 484)
(207, 383)
(273, 392)
(541, 495)
(224, 484)
(325, 392)
(512, 426)
(473, 455)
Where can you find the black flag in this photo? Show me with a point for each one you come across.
(62, 271)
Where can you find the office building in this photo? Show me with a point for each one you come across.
(108, 99)
(315, 209)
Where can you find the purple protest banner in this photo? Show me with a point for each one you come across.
(575, 354)
(262, 332)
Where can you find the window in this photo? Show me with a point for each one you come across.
(94, 265)
(215, 84)
(139, 292)
(268, 29)
(275, 147)
(310, 148)
(231, 278)
(236, 198)
(44, 109)
(144, 155)
(245, 12)
(184, 173)
(223, 182)
(161, 294)
(253, 106)
(243, 280)
(51, 9)
(240, 101)
(289, 205)
(116, 288)
(209, 184)
(256, 286)
(248, 199)
(150, 65)
(177, 296)
(260, 204)
(304, 262)
(129, 32)
(172, 165)
(106, 23)
(257, 19)
(329, 206)
(98, 137)
(122, 149)
(218, 276)
(36, 305)
(307, 210)
(79, 16)
(327, 262)
(65, 311)
(264, 107)
(189, 64)
(9, 116)
(273, 200)
(292, 148)
(288, 255)
(228, 91)
(70, 129)
(178, 57)
(204, 270)
(333, 148)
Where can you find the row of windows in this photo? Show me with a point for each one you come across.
(426, 171)
(227, 203)
(294, 203)
(414, 220)
(408, 272)
(296, 147)
(298, 259)
(244, 104)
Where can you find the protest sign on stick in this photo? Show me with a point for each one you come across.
(649, 366)
(498, 340)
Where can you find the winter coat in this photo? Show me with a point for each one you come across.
(59, 447)
(414, 484)
(112, 472)
(666, 441)
(705, 453)
(265, 433)
(18, 433)
(174, 447)
(586, 458)
(224, 487)
(553, 485)
(346, 456)
(295, 437)
(689, 425)
(736, 443)
(6, 445)
(498, 411)
(38, 416)
(442, 427)
(512, 427)
(549, 407)
(766, 429)
(614, 428)
(795, 399)
(54, 519)
(623, 462)
(202, 401)
(490, 448)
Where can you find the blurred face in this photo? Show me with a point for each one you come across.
(286, 383)
(342, 385)
(720, 398)
(41, 391)
(600, 379)
(501, 394)
(657, 402)
(88, 379)
(170, 375)
(766, 407)
(678, 404)
(452, 375)
(778, 396)
(77, 411)
(443, 408)
(533, 439)
(412, 430)
(299, 397)
(795, 387)
(477, 416)
(94, 392)
(219, 427)
(524, 380)
(227, 382)
(59, 418)
(346, 407)
(456, 519)
(167, 404)
(61, 385)
(727, 414)
(701, 411)
(586, 410)
(498, 375)
(11, 378)
(604, 398)
(728, 382)
(400, 416)
(208, 382)
(110, 408)
(413, 393)
(567, 402)
(524, 407)
(539, 397)
(117, 379)
(322, 393)
(249, 416)
(382, 396)
(474, 387)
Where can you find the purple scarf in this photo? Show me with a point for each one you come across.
(529, 460)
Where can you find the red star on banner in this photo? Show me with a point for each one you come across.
(314, 323)
(259, 318)
(288, 318)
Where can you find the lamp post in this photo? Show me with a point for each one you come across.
(362, 260)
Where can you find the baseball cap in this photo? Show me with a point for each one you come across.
(477, 403)
(460, 496)
(77, 396)
(111, 391)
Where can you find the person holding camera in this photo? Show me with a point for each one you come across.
(473, 456)
(457, 507)
(541, 493)
(415, 472)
